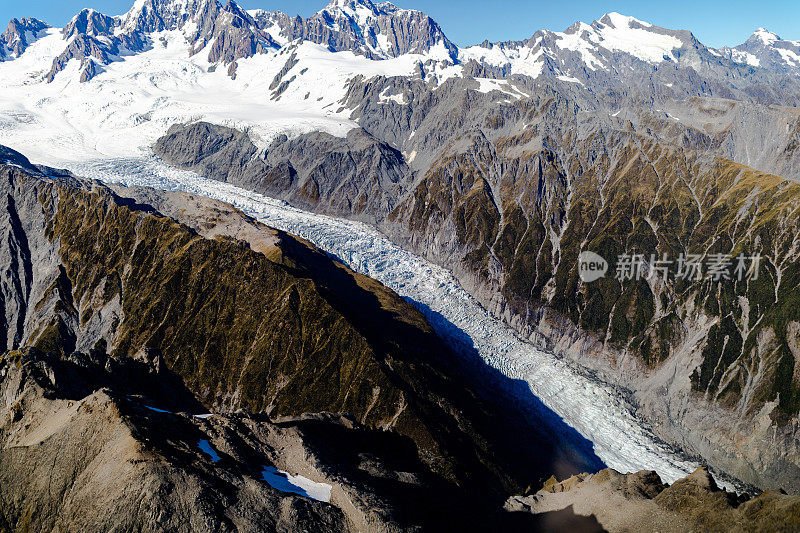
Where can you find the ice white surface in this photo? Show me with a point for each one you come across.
(285, 482)
(632, 36)
(740, 56)
(581, 42)
(387, 98)
(593, 409)
(569, 79)
(125, 108)
(528, 61)
(789, 56)
(487, 85)
(766, 36)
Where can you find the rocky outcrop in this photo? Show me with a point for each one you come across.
(357, 175)
(91, 23)
(641, 502)
(92, 38)
(19, 34)
(149, 16)
(87, 50)
(235, 36)
(377, 31)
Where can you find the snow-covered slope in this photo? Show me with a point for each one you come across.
(109, 87)
(125, 109)
(377, 31)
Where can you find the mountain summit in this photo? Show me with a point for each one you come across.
(767, 50)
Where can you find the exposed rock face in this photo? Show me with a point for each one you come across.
(374, 30)
(86, 49)
(91, 23)
(150, 16)
(356, 175)
(229, 33)
(507, 192)
(93, 40)
(640, 502)
(235, 35)
(18, 36)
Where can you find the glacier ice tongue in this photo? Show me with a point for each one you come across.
(592, 408)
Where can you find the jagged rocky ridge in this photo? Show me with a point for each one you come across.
(118, 318)
(228, 33)
(614, 51)
(18, 35)
(641, 502)
(376, 31)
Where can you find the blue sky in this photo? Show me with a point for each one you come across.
(715, 23)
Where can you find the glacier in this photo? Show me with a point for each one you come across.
(596, 410)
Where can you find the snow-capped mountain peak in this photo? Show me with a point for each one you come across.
(620, 21)
(89, 22)
(604, 45)
(621, 33)
(766, 49)
(354, 8)
(159, 15)
(19, 34)
(381, 30)
(765, 36)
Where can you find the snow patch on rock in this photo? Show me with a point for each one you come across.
(285, 482)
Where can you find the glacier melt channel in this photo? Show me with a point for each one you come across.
(590, 407)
